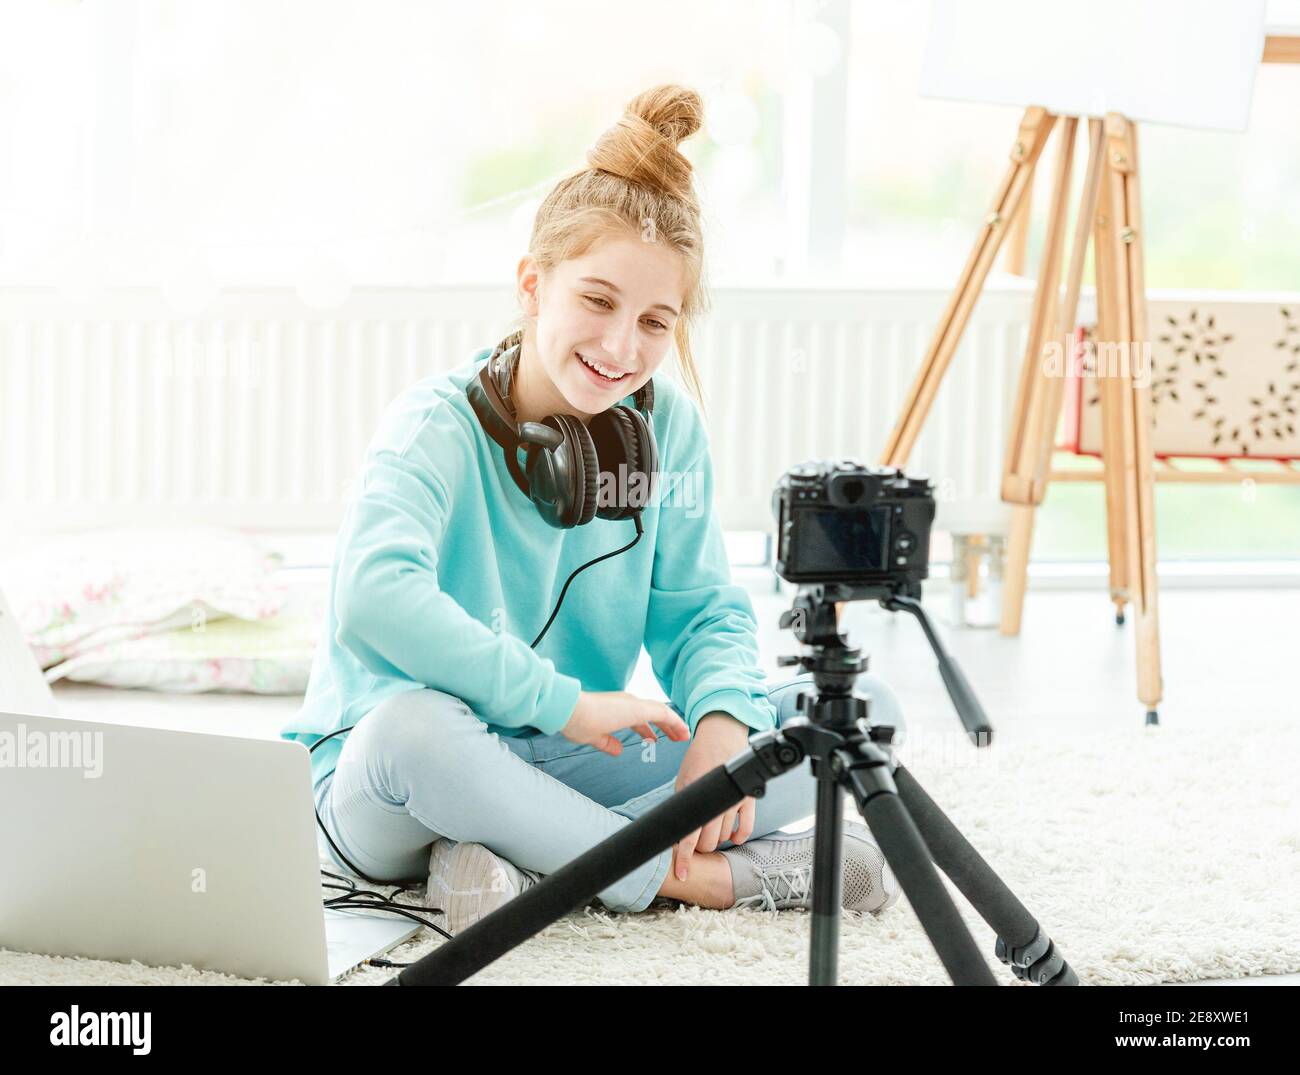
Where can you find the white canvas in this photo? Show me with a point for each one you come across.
(1190, 63)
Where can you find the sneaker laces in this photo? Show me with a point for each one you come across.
(797, 882)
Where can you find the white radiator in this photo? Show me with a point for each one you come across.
(257, 416)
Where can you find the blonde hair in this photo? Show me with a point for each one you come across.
(638, 184)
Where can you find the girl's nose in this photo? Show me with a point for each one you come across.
(620, 342)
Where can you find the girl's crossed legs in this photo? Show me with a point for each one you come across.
(422, 765)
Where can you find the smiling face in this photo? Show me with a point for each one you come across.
(603, 325)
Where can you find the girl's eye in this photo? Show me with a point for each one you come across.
(606, 305)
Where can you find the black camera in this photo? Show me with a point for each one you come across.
(840, 521)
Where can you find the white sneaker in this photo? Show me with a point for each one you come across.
(775, 872)
(469, 882)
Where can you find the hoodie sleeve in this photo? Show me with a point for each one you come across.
(701, 632)
(395, 619)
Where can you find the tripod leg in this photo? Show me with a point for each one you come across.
(1021, 941)
(827, 884)
(894, 829)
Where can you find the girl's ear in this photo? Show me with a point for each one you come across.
(528, 279)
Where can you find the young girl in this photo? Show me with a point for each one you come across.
(477, 759)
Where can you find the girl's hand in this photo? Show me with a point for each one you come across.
(600, 713)
(719, 737)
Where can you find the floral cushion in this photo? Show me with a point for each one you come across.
(270, 657)
(74, 594)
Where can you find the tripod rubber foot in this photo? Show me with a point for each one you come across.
(1038, 962)
(1119, 618)
(1153, 718)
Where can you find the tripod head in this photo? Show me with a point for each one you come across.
(835, 665)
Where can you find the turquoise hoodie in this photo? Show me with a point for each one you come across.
(444, 572)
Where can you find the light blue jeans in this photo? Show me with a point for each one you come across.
(422, 765)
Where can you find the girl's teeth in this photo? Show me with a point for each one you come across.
(600, 371)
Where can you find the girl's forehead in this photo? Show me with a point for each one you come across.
(630, 266)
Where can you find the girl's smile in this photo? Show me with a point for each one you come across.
(601, 374)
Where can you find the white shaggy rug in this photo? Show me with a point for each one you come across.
(1150, 855)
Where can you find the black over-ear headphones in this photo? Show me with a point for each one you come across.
(565, 459)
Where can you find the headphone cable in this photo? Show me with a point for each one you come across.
(639, 531)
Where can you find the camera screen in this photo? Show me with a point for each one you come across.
(843, 540)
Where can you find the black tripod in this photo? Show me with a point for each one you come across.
(847, 752)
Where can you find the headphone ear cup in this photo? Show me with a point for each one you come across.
(559, 498)
(647, 447)
(576, 474)
(624, 438)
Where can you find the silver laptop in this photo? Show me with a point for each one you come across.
(169, 847)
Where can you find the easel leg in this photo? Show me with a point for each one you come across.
(1022, 446)
(1138, 464)
(1029, 395)
(974, 544)
(1112, 454)
(1013, 257)
(1045, 435)
(1035, 434)
(1019, 542)
(1112, 433)
(1035, 126)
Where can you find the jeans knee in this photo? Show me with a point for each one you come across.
(884, 706)
(785, 697)
(425, 727)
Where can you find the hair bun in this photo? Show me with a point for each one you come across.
(642, 145)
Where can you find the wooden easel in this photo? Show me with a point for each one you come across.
(1110, 207)
(1109, 210)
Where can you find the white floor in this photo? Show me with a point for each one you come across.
(1226, 653)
